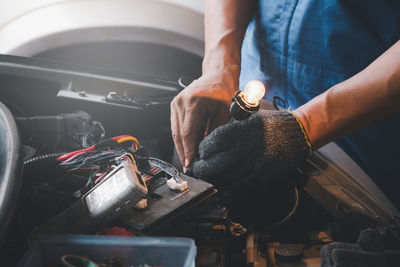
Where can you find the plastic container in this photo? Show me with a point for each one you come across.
(129, 251)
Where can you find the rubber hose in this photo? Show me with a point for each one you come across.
(282, 222)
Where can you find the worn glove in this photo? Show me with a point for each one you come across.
(339, 254)
(264, 147)
(369, 251)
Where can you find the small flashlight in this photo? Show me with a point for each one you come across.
(247, 102)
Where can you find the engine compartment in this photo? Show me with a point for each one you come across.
(229, 228)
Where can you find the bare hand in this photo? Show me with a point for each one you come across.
(209, 97)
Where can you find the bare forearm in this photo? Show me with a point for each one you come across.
(225, 25)
(353, 104)
(208, 98)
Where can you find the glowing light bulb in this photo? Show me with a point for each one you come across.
(253, 92)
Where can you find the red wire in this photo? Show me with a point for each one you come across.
(74, 157)
(70, 154)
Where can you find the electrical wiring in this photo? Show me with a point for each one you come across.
(98, 179)
(100, 159)
(128, 156)
(112, 142)
(95, 165)
(135, 143)
(97, 161)
(166, 167)
(41, 158)
(93, 160)
(91, 177)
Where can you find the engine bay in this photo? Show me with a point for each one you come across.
(98, 159)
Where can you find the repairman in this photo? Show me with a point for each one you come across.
(336, 64)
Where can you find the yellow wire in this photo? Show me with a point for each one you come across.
(129, 138)
(129, 154)
(132, 158)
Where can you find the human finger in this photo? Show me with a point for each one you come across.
(192, 132)
(176, 136)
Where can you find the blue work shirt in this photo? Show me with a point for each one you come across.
(301, 48)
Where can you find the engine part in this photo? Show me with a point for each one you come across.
(119, 190)
(164, 204)
(150, 103)
(60, 132)
(288, 253)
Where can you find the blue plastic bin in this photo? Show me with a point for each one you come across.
(130, 251)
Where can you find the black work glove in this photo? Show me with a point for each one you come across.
(264, 147)
(339, 254)
(369, 251)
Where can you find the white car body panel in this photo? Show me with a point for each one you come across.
(30, 27)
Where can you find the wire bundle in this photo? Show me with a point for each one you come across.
(112, 142)
(100, 159)
(166, 167)
(95, 160)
